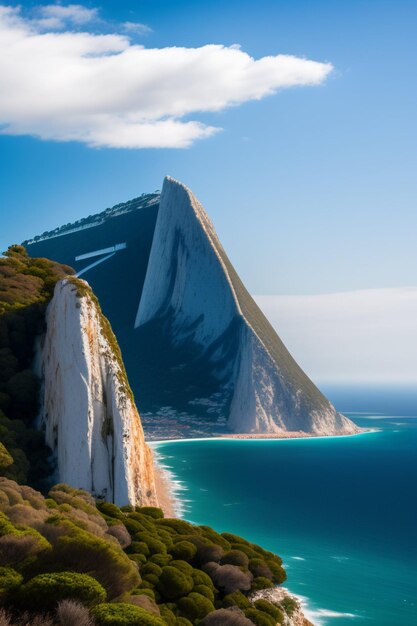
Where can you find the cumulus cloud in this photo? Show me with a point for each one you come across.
(368, 335)
(104, 90)
(57, 16)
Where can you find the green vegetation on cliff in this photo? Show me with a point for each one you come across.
(26, 286)
(124, 566)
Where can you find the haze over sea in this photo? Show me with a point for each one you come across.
(341, 511)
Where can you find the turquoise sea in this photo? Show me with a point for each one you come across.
(342, 512)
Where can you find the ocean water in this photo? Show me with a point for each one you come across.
(342, 512)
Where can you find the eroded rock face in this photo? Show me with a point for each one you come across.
(193, 288)
(88, 413)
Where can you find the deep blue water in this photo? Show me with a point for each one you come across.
(342, 512)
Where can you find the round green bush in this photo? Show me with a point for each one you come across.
(123, 614)
(201, 578)
(150, 568)
(168, 614)
(260, 582)
(279, 575)
(184, 550)
(138, 547)
(160, 559)
(183, 566)
(259, 567)
(10, 580)
(215, 537)
(259, 618)
(250, 552)
(155, 545)
(139, 559)
(173, 583)
(183, 621)
(165, 537)
(46, 590)
(143, 591)
(237, 598)
(110, 510)
(235, 557)
(270, 609)
(180, 526)
(195, 606)
(205, 591)
(152, 511)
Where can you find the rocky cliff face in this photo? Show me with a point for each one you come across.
(88, 413)
(193, 288)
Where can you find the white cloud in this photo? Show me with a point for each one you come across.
(105, 91)
(136, 27)
(57, 16)
(368, 335)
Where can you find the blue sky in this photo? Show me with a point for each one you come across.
(312, 190)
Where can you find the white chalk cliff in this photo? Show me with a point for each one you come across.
(88, 413)
(191, 283)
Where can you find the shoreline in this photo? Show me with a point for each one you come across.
(261, 437)
(167, 488)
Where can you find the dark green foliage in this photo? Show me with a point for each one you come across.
(46, 590)
(173, 584)
(195, 606)
(235, 557)
(180, 526)
(205, 591)
(183, 566)
(183, 550)
(289, 605)
(152, 511)
(10, 580)
(259, 618)
(260, 582)
(258, 567)
(26, 286)
(83, 552)
(123, 614)
(270, 609)
(111, 510)
(160, 559)
(237, 598)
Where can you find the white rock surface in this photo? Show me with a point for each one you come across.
(89, 418)
(191, 282)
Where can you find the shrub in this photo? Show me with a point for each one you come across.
(160, 559)
(150, 568)
(205, 591)
(83, 552)
(46, 590)
(123, 614)
(10, 580)
(71, 613)
(152, 511)
(270, 609)
(259, 618)
(250, 552)
(279, 574)
(226, 617)
(230, 578)
(5, 458)
(145, 602)
(121, 534)
(289, 604)
(195, 606)
(173, 583)
(201, 578)
(155, 546)
(258, 567)
(184, 550)
(179, 526)
(138, 547)
(235, 557)
(183, 621)
(237, 598)
(215, 537)
(261, 583)
(110, 510)
(183, 566)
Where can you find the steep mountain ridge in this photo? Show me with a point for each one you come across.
(191, 282)
(87, 409)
